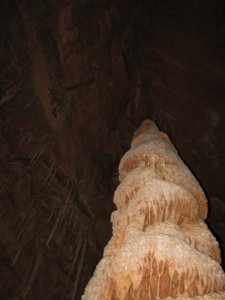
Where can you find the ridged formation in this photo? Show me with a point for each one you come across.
(161, 248)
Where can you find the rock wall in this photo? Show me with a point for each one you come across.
(76, 79)
(160, 246)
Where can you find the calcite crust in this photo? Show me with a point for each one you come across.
(160, 248)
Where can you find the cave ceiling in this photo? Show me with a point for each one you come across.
(76, 79)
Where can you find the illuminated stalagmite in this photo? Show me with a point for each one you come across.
(160, 248)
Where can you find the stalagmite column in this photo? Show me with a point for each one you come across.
(160, 248)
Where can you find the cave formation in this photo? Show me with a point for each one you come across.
(160, 247)
(77, 78)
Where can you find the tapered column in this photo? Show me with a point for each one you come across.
(161, 247)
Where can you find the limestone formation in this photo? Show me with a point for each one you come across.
(161, 248)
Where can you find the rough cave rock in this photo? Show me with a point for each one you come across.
(161, 247)
(77, 77)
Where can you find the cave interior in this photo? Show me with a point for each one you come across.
(77, 77)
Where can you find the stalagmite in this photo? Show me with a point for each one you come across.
(161, 248)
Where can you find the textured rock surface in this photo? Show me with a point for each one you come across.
(76, 79)
(160, 245)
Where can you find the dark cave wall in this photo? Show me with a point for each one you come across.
(79, 77)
